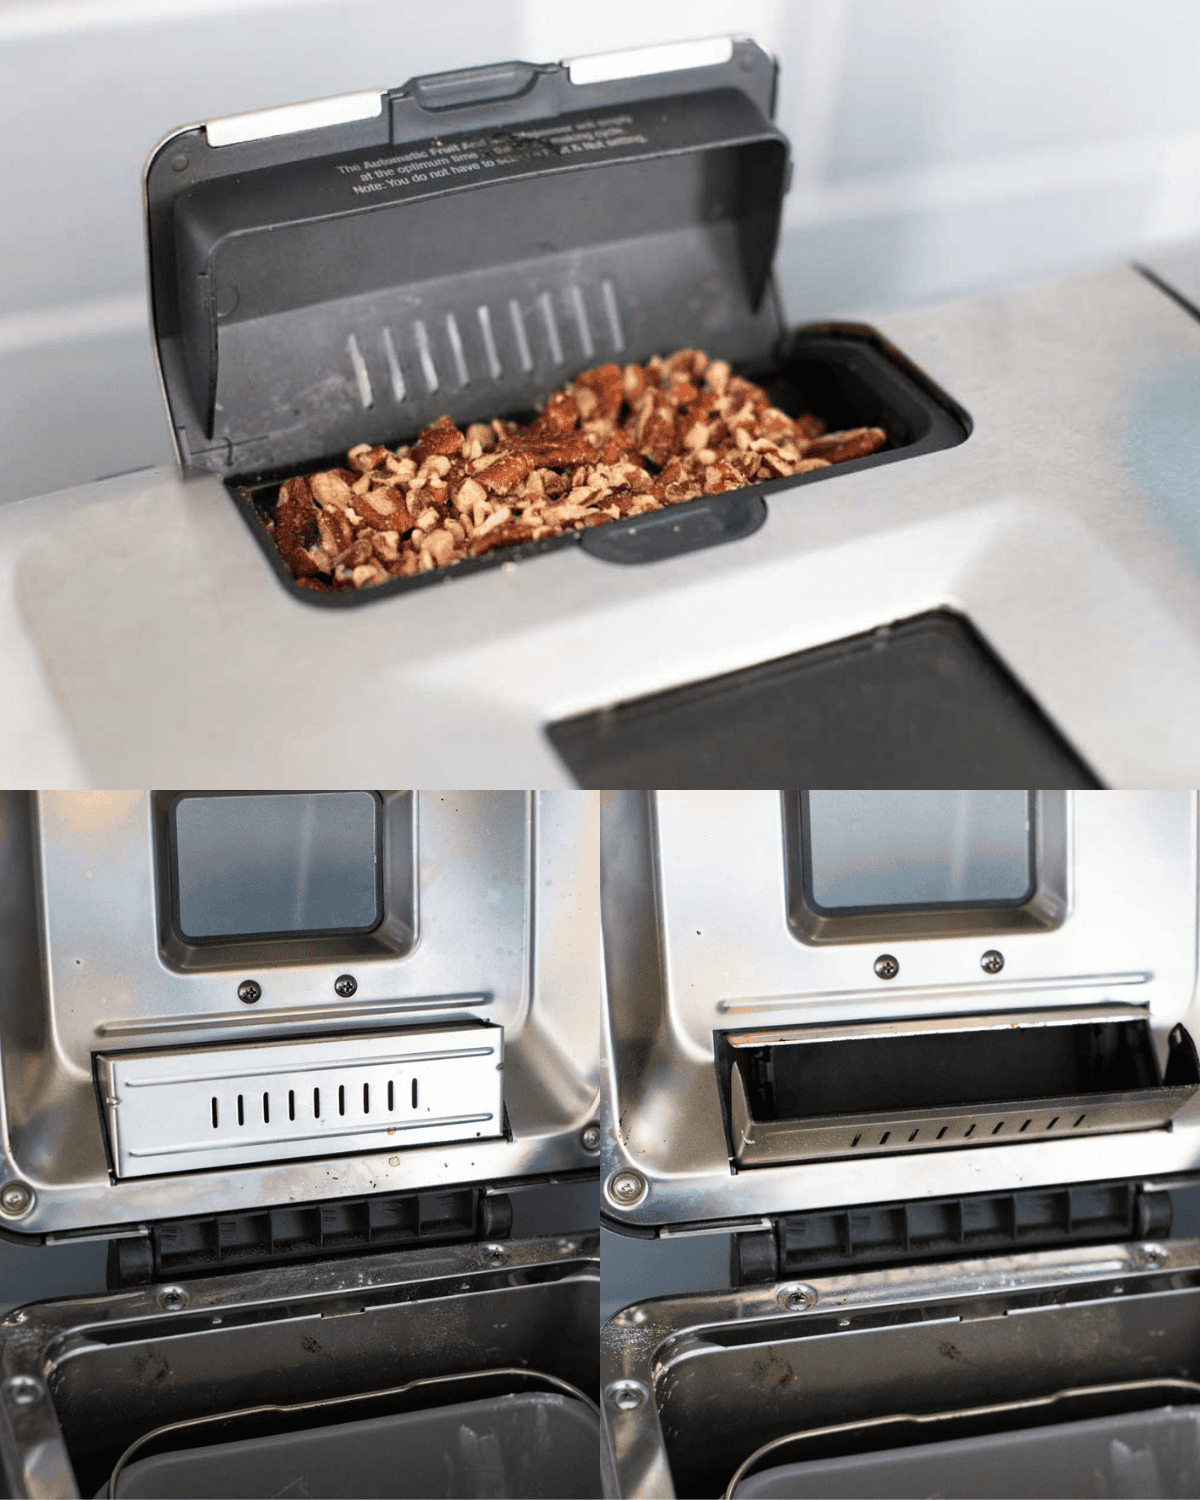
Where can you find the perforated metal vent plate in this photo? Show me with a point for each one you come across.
(177, 1111)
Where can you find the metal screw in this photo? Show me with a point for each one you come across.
(24, 1390)
(1150, 1255)
(589, 1137)
(886, 967)
(797, 1297)
(16, 1199)
(249, 991)
(172, 1298)
(626, 1188)
(992, 962)
(495, 1253)
(345, 985)
(627, 1394)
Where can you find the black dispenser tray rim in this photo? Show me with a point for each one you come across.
(909, 407)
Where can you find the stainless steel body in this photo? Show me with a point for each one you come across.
(147, 638)
(698, 943)
(490, 925)
(82, 1380)
(694, 1385)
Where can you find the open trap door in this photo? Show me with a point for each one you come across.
(929, 1085)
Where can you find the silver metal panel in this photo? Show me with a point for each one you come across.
(140, 621)
(917, 1025)
(507, 935)
(697, 942)
(180, 1111)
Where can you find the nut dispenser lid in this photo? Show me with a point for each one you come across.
(475, 241)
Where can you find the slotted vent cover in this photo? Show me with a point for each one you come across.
(223, 1106)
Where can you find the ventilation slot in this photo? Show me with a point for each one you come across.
(611, 311)
(495, 368)
(362, 377)
(458, 353)
(579, 308)
(425, 356)
(548, 318)
(522, 338)
(395, 373)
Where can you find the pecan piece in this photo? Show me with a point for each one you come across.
(441, 437)
(840, 447)
(296, 532)
(506, 472)
(364, 458)
(331, 491)
(606, 384)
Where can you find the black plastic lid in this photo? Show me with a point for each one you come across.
(484, 238)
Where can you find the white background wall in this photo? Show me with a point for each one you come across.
(942, 147)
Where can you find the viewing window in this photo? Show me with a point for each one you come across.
(872, 849)
(866, 866)
(277, 863)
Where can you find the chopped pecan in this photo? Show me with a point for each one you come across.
(330, 491)
(503, 474)
(606, 386)
(441, 437)
(615, 442)
(364, 458)
(840, 447)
